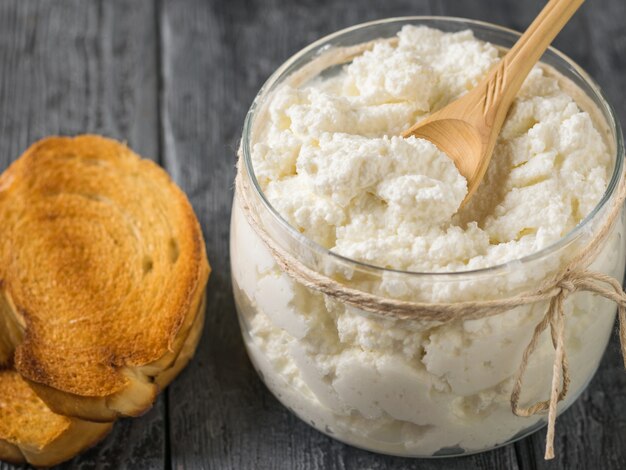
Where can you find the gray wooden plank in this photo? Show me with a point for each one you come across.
(215, 57)
(605, 56)
(74, 66)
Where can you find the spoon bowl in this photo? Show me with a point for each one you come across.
(467, 129)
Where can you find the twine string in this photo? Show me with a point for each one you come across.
(574, 277)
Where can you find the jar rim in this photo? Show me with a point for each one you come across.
(323, 43)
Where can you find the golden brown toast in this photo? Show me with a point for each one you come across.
(30, 432)
(102, 275)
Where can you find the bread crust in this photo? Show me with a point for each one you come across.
(65, 437)
(31, 432)
(103, 261)
(11, 453)
(137, 398)
(11, 331)
(80, 435)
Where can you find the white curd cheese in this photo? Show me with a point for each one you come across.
(330, 160)
(331, 163)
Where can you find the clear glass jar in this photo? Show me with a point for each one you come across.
(414, 387)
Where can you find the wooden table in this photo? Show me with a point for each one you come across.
(175, 79)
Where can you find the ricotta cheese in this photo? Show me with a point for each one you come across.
(330, 161)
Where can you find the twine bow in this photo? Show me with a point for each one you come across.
(575, 281)
(574, 277)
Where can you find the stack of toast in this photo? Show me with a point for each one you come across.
(102, 284)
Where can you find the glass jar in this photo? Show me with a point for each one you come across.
(412, 387)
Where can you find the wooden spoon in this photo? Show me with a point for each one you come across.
(467, 129)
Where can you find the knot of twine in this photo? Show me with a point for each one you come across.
(574, 277)
(574, 281)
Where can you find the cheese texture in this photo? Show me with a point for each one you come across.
(330, 161)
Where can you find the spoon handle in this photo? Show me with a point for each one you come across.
(505, 80)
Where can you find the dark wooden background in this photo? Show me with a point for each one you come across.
(174, 78)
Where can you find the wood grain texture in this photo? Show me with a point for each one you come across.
(69, 67)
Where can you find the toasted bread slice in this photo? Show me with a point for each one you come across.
(102, 274)
(31, 432)
(73, 405)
